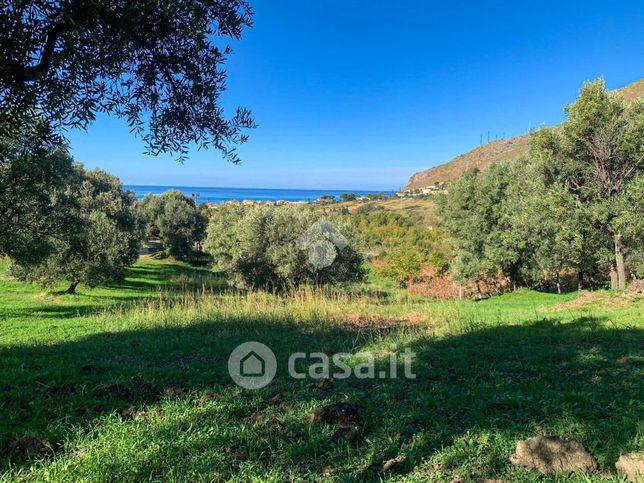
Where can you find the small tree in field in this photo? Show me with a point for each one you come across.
(175, 219)
(100, 241)
(275, 248)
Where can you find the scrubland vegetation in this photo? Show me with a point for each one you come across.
(122, 375)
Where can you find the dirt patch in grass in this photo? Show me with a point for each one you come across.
(586, 299)
(138, 390)
(379, 321)
(28, 447)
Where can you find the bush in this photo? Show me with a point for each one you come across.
(274, 248)
(403, 248)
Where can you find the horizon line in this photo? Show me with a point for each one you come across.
(250, 188)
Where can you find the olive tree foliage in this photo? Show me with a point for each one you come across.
(572, 208)
(275, 248)
(595, 154)
(157, 64)
(488, 216)
(101, 242)
(630, 223)
(35, 205)
(175, 219)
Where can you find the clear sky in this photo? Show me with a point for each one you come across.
(360, 94)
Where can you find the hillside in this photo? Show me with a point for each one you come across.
(501, 151)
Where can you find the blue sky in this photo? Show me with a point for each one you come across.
(353, 94)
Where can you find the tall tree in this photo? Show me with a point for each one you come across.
(599, 148)
(158, 63)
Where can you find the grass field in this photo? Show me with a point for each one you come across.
(130, 382)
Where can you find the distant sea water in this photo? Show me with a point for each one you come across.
(220, 195)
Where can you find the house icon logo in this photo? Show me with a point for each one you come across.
(322, 242)
(252, 365)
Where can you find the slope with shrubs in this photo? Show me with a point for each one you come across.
(501, 151)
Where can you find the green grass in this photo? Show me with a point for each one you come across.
(130, 382)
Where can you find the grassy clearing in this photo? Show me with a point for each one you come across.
(130, 382)
(421, 210)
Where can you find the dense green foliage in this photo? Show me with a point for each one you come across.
(59, 221)
(594, 157)
(99, 240)
(280, 247)
(154, 63)
(572, 209)
(348, 196)
(402, 247)
(174, 218)
(34, 194)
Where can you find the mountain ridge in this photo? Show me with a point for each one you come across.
(500, 151)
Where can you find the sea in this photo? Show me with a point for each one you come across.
(204, 194)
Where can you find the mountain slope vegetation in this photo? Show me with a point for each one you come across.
(501, 151)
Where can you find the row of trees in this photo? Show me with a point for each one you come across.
(575, 207)
(60, 221)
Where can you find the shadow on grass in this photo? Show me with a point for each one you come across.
(142, 282)
(474, 396)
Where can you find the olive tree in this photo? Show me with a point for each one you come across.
(175, 219)
(274, 248)
(34, 198)
(98, 244)
(156, 64)
(593, 156)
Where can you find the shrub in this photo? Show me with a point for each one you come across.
(274, 248)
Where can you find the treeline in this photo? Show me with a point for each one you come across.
(574, 209)
(62, 222)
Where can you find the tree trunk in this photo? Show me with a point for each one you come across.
(613, 277)
(558, 284)
(580, 281)
(619, 261)
(72, 287)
